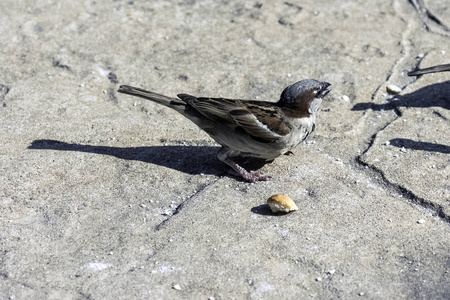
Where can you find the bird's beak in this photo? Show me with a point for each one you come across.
(324, 91)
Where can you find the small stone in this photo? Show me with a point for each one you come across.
(420, 221)
(345, 98)
(393, 89)
(176, 287)
(361, 294)
(387, 143)
(319, 279)
(331, 272)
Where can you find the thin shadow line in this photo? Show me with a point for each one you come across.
(423, 146)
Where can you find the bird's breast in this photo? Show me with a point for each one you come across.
(301, 128)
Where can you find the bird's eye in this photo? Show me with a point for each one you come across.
(315, 92)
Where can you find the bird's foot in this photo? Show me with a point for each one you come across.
(224, 155)
(239, 171)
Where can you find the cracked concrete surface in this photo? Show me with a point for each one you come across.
(104, 196)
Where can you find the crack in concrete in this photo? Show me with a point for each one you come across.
(374, 136)
(418, 62)
(406, 193)
(378, 94)
(395, 71)
(426, 15)
(441, 116)
(409, 195)
(180, 206)
(3, 91)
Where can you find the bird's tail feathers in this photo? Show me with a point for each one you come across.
(158, 98)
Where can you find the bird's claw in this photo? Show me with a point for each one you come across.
(250, 177)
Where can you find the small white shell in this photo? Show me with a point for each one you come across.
(393, 89)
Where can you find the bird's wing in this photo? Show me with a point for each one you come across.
(261, 120)
(216, 109)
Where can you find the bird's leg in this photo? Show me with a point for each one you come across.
(224, 155)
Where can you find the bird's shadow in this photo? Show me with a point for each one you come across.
(437, 95)
(192, 160)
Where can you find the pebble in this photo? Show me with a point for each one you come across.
(393, 89)
(331, 272)
(176, 287)
(420, 221)
(345, 98)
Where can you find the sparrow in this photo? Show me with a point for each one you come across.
(434, 69)
(249, 128)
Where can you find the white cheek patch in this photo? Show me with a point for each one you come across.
(315, 104)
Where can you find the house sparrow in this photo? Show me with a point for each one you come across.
(247, 128)
(434, 69)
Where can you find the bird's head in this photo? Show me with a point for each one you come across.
(303, 98)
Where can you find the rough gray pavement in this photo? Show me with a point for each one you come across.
(106, 196)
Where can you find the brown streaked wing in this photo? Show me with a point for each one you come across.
(252, 126)
(216, 109)
(270, 115)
